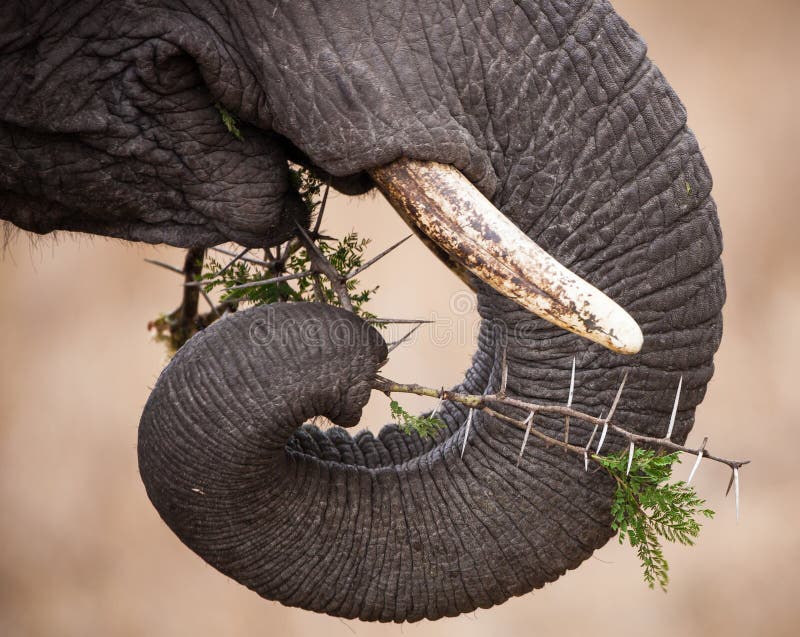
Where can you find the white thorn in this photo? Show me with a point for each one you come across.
(571, 384)
(602, 438)
(630, 460)
(436, 411)
(504, 373)
(466, 433)
(617, 397)
(674, 410)
(694, 468)
(586, 449)
(528, 422)
(736, 489)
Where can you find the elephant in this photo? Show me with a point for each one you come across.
(550, 110)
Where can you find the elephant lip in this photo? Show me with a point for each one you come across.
(462, 223)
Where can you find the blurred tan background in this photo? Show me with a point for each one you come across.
(83, 553)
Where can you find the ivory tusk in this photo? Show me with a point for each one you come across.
(458, 219)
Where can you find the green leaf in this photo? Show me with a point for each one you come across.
(648, 508)
(408, 423)
(229, 120)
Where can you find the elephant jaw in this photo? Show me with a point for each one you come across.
(459, 220)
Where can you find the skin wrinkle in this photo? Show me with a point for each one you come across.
(302, 542)
(336, 506)
(398, 80)
(453, 517)
(432, 546)
(676, 325)
(284, 531)
(330, 561)
(360, 530)
(679, 278)
(541, 422)
(84, 105)
(434, 538)
(544, 222)
(586, 257)
(299, 543)
(489, 444)
(606, 117)
(449, 458)
(519, 576)
(624, 90)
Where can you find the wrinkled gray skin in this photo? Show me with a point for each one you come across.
(108, 126)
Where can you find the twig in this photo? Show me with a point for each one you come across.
(182, 322)
(398, 321)
(318, 221)
(319, 292)
(321, 265)
(483, 402)
(292, 246)
(213, 307)
(192, 269)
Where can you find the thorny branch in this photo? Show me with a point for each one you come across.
(485, 403)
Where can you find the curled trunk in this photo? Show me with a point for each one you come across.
(390, 528)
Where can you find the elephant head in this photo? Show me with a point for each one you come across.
(110, 124)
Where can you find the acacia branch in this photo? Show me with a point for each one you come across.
(484, 402)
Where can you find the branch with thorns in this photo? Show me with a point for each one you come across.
(483, 402)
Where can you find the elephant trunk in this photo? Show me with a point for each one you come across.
(389, 528)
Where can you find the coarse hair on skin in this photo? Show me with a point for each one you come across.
(10, 237)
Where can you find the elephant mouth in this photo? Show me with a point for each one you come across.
(442, 204)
